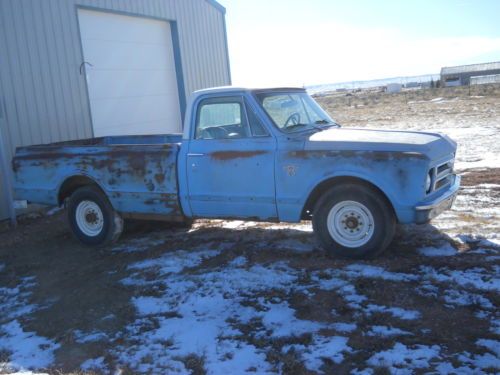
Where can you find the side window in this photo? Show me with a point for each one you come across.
(221, 119)
(256, 126)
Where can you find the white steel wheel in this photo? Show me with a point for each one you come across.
(89, 218)
(92, 218)
(350, 224)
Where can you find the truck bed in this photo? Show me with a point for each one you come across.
(137, 173)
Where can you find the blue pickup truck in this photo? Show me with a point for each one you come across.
(262, 155)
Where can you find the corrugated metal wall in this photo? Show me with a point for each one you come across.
(483, 80)
(45, 95)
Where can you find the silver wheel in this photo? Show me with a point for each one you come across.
(89, 218)
(350, 224)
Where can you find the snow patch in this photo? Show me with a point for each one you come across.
(232, 224)
(94, 364)
(406, 359)
(385, 331)
(396, 312)
(211, 303)
(478, 278)
(373, 272)
(81, 337)
(331, 348)
(175, 262)
(238, 262)
(14, 301)
(492, 345)
(443, 251)
(344, 327)
(27, 350)
(54, 210)
(464, 298)
(280, 318)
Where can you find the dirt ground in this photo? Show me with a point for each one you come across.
(234, 297)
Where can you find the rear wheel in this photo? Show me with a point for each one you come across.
(92, 219)
(354, 221)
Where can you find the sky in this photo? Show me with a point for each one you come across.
(308, 42)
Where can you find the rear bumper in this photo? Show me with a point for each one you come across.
(429, 210)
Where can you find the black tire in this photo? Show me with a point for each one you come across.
(377, 237)
(112, 223)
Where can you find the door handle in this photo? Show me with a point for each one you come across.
(83, 64)
(195, 154)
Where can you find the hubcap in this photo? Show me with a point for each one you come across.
(89, 218)
(350, 224)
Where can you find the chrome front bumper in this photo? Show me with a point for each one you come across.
(431, 209)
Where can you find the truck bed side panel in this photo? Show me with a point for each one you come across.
(138, 179)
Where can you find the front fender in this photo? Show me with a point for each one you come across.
(385, 188)
(400, 176)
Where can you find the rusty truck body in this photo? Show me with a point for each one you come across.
(262, 155)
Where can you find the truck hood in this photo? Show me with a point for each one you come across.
(433, 145)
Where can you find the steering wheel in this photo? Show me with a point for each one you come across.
(214, 132)
(294, 119)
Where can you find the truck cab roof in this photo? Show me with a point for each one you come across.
(226, 89)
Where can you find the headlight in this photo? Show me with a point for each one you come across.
(428, 183)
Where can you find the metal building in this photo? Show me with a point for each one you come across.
(484, 80)
(73, 69)
(393, 87)
(460, 75)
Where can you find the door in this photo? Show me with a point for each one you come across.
(131, 74)
(230, 162)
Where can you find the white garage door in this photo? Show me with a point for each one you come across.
(132, 79)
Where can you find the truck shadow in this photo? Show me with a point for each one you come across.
(294, 239)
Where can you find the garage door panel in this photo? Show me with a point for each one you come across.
(126, 55)
(106, 26)
(126, 112)
(141, 128)
(112, 84)
(132, 82)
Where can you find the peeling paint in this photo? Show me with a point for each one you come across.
(379, 156)
(160, 178)
(230, 155)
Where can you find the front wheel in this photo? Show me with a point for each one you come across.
(354, 221)
(92, 219)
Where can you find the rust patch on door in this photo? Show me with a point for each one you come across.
(230, 155)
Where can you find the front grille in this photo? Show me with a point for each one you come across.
(442, 175)
(446, 167)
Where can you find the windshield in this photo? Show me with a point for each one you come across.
(294, 111)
